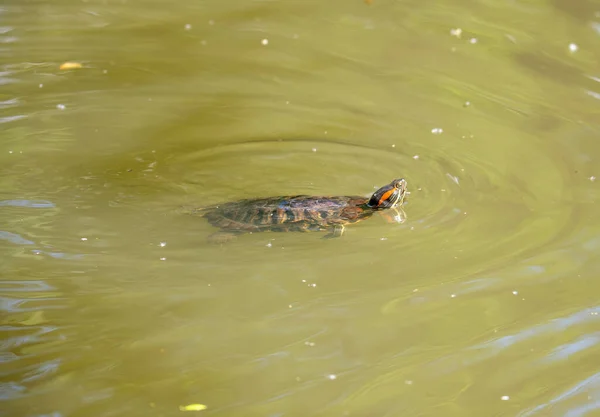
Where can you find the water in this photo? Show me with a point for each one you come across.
(484, 302)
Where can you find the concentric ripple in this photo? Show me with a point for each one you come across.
(451, 194)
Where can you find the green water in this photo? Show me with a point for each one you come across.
(483, 303)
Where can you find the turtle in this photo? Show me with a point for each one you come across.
(301, 213)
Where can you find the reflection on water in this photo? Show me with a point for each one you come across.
(484, 302)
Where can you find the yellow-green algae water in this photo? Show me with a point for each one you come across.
(485, 302)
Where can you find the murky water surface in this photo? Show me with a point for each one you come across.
(483, 303)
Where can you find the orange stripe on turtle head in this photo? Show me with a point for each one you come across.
(385, 196)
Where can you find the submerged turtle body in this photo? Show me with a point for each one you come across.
(301, 213)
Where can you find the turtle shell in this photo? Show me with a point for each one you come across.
(288, 213)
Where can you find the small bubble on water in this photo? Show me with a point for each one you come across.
(408, 382)
(505, 398)
(332, 377)
(163, 259)
(573, 47)
(416, 157)
(188, 26)
(437, 131)
(268, 245)
(312, 285)
(84, 238)
(515, 292)
(592, 178)
(163, 244)
(265, 42)
(456, 32)
(41, 85)
(211, 22)
(314, 149)
(467, 103)
(10, 151)
(309, 343)
(473, 41)
(383, 238)
(105, 71)
(393, 146)
(453, 296)
(61, 106)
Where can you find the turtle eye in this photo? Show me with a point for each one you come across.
(401, 183)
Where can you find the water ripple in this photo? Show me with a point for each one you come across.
(28, 203)
(587, 390)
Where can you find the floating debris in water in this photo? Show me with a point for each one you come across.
(84, 238)
(268, 245)
(592, 178)
(416, 157)
(265, 42)
(456, 32)
(573, 47)
(437, 131)
(70, 65)
(193, 407)
(163, 244)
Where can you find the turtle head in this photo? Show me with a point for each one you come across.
(389, 196)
